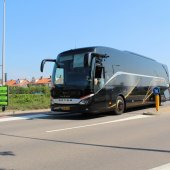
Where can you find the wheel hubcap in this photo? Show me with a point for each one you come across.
(120, 105)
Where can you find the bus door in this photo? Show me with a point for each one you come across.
(99, 84)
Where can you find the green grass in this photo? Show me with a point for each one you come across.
(28, 101)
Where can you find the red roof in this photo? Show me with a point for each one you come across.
(43, 81)
(25, 82)
(11, 83)
(17, 82)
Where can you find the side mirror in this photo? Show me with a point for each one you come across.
(43, 63)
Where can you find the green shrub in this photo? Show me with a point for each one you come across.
(29, 90)
(28, 101)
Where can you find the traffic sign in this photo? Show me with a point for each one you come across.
(156, 91)
(3, 95)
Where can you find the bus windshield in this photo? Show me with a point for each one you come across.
(72, 70)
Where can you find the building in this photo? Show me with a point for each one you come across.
(25, 83)
(11, 83)
(41, 82)
(18, 83)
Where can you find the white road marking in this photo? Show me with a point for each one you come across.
(7, 119)
(163, 167)
(101, 123)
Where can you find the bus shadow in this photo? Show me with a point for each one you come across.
(60, 116)
(87, 116)
(79, 116)
(139, 108)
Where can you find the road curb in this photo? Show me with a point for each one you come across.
(19, 112)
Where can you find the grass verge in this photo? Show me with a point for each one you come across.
(28, 101)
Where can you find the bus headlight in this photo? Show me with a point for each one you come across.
(84, 102)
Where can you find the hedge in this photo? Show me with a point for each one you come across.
(28, 101)
(27, 98)
(29, 90)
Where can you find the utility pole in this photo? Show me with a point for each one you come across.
(3, 45)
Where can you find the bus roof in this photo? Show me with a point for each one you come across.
(92, 49)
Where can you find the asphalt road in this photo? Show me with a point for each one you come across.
(131, 141)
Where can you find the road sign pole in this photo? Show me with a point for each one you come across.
(3, 45)
(157, 102)
(156, 92)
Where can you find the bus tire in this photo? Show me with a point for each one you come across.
(120, 105)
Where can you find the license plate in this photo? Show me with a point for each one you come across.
(66, 108)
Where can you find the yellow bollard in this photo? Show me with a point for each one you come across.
(157, 102)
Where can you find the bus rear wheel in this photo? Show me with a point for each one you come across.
(120, 105)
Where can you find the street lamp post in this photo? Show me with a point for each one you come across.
(3, 45)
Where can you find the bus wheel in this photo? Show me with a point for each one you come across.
(120, 105)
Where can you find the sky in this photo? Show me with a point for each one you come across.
(39, 29)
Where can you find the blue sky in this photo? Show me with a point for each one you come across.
(38, 29)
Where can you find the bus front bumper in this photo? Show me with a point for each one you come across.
(71, 108)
